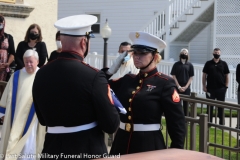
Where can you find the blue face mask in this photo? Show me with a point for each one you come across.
(127, 58)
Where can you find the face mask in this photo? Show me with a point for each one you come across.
(59, 44)
(120, 53)
(216, 56)
(183, 56)
(127, 58)
(1, 26)
(33, 36)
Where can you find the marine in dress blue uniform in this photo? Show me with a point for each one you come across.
(72, 98)
(146, 96)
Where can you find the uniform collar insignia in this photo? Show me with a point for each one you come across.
(150, 87)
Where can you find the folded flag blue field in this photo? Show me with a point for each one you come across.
(118, 104)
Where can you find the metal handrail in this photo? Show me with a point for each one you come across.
(204, 125)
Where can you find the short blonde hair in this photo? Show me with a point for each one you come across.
(184, 50)
(158, 58)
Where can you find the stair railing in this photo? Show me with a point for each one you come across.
(175, 12)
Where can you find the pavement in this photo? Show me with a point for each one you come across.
(230, 123)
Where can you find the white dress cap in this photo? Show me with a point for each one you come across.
(146, 39)
(76, 25)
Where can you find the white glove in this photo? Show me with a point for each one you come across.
(115, 66)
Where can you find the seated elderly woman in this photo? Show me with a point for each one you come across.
(21, 132)
(146, 96)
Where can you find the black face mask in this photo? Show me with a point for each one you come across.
(183, 56)
(33, 36)
(216, 56)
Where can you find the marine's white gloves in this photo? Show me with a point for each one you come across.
(115, 66)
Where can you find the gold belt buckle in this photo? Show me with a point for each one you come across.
(128, 127)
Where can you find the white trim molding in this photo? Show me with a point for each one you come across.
(16, 10)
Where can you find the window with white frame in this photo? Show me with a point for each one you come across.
(96, 26)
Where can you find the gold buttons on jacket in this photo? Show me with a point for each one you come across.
(130, 100)
(140, 81)
(133, 92)
(145, 75)
(129, 117)
(138, 88)
(129, 109)
(128, 127)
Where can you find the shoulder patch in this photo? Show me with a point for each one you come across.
(89, 66)
(175, 96)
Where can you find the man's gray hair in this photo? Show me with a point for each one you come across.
(30, 53)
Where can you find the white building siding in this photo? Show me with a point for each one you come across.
(201, 46)
(123, 16)
(227, 30)
(175, 49)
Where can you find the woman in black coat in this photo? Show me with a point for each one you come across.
(33, 40)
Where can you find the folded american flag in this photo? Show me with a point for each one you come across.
(118, 104)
